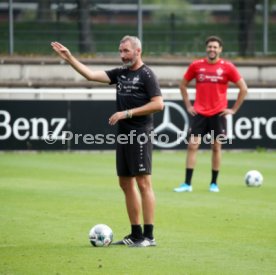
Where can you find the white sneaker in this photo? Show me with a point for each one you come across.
(184, 187)
(214, 188)
(146, 242)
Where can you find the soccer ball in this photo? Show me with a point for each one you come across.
(100, 235)
(253, 178)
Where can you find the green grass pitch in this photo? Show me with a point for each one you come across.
(49, 202)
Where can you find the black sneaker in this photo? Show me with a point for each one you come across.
(146, 242)
(127, 240)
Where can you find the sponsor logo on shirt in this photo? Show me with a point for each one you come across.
(201, 77)
(214, 78)
(119, 86)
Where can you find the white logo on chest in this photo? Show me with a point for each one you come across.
(219, 71)
(135, 80)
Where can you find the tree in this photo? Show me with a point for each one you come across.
(86, 41)
(44, 11)
(244, 12)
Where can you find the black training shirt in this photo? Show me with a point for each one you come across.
(134, 89)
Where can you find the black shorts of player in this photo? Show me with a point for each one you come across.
(214, 125)
(135, 157)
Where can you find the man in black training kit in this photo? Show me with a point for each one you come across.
(138, 97)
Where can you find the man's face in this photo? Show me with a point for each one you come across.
(213, 50)
(128, 54)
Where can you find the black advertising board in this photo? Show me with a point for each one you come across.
(28, 125)
(83, 125)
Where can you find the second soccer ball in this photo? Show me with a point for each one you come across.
(253, 178)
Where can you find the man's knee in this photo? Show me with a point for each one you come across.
(193, 146)
(144, 182)
(216, 147)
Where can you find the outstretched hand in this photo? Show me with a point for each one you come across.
(62, 51)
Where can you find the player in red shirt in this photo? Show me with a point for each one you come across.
(212, 75)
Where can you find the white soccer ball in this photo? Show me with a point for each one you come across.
(100, 235)
(253, 178)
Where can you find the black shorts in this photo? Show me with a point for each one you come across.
(135, 157)
(214, 125)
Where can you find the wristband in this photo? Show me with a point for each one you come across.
(128, 113)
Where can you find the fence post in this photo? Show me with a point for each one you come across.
(11, 35)
(140, 20)
(266, 22)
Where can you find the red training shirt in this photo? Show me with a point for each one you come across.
(211, 84)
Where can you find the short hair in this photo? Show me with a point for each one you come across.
(214, 38)
(134, 40)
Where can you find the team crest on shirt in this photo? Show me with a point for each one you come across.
(135, 80)
(219, 71)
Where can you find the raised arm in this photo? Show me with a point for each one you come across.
(65, 54)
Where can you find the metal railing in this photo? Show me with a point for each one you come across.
(94, 27)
